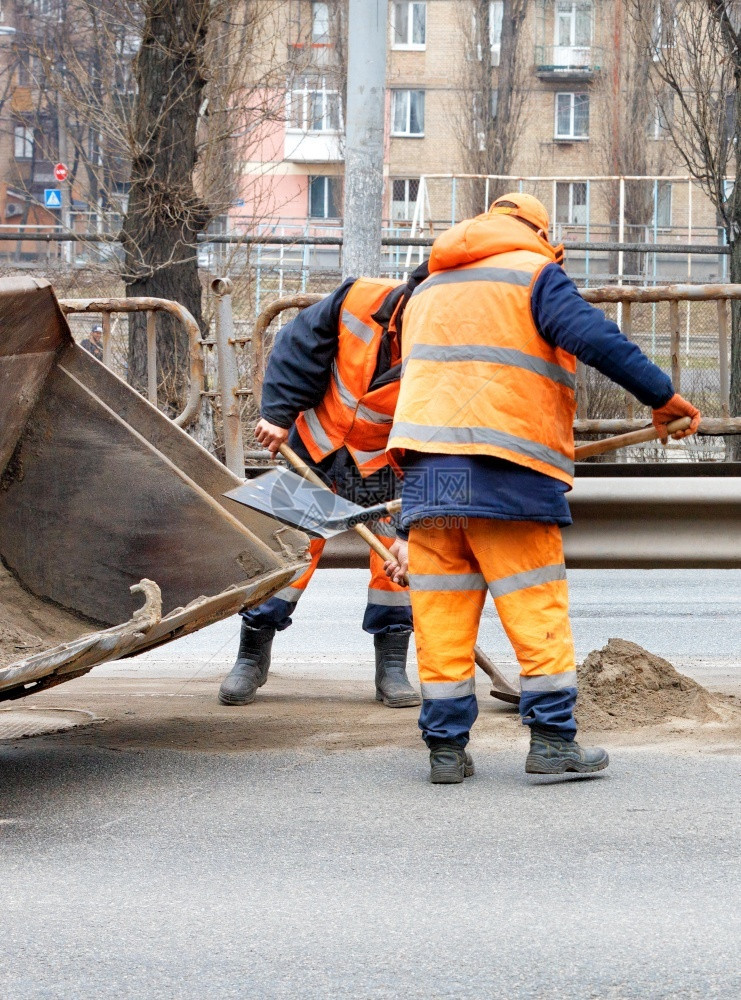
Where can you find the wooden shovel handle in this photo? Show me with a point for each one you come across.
(624, 440)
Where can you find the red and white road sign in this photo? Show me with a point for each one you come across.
(60, 171)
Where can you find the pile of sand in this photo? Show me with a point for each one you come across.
(624, 686)
(30, 624)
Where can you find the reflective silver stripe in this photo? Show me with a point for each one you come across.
(363, 411)
(549, 682)
(344, 393)
(494, 356)
(503, 275)
(317, 431)
(389, 598)
(361, 457)
(447, 581)
(357, 327)
(373, 416)
(289, 594)
(483, 435)
(530, 578)
(438, 690)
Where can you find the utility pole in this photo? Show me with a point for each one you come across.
(365, 120)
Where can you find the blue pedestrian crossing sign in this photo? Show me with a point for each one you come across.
(52, 198)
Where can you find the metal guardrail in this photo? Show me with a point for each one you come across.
(151, 306)
(228, 370)
(673, 294)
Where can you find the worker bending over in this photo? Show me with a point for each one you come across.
(483, 432)
(332, 380)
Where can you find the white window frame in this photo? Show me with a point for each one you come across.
(570, 185)
(559, 13)
(495, 37)
(409, 45)
(408, 201)
(303, 96)
(570, 136)
(328, 179)
(396, 96)
(668, 188)
(659, 127)
(324, 38)
(23, 141)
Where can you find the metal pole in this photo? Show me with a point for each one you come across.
(723, 356)
(228, 377)
(107, 345)
(152, 358)
(366, 111)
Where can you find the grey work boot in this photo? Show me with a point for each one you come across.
(392, 684)
(250, 671)
(449, 764)
(552, 754)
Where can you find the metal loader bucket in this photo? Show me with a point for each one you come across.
(99, 491)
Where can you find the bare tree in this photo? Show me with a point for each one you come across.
(638, 116)
(493, 89)
(695, 48)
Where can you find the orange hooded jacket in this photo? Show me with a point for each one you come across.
(478, 378)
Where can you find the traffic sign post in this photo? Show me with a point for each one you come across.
(61, 173)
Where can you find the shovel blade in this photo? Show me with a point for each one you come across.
(292, 500)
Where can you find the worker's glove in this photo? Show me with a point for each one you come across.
(270, 435)
(674, 409)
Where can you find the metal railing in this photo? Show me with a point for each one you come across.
(151, 306)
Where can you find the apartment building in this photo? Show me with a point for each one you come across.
(571, 82)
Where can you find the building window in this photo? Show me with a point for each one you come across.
(23, 142)
(403, 198)
(573, 25)
(572, 116)
(407, 112)
(663, 205)
(571, 203)
(661, 118)
(314, 108)
(320, 24)
(496, 16)
(664, 28)
(408, 25)
(324, 197)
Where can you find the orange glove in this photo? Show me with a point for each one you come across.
(676, 407)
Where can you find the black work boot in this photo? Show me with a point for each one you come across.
(552, 754)
(250, 671)
(392, 684)
(449, 764)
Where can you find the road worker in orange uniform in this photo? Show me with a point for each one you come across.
(483, 435)
(330, 389)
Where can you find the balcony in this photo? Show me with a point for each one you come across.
(568, 62)
(313, 147)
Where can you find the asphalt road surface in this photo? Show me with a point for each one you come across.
(133, 870)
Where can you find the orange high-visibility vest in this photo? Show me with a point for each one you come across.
(477, 377)
(350, 414)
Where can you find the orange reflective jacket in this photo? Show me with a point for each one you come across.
(478, 379)
(350, 413)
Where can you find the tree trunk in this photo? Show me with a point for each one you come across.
(164, 214)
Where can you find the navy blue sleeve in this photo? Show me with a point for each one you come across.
(565, 320)
(300, 362)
